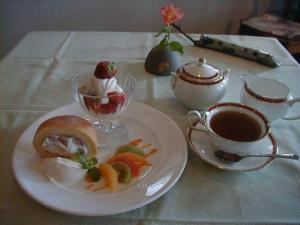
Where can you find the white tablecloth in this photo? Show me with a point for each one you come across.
(35, 78)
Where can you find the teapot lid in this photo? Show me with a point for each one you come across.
(268, 89)
(201, 72)
(200, 69)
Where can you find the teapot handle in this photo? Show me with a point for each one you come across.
(173, 80)
(291, 103)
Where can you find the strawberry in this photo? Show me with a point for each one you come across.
(87, 101)
(96, 107)
(105, 70)
(116, 98)
(106, 109)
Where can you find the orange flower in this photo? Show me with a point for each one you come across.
(171, 14)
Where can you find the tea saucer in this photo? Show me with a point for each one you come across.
(200, 143)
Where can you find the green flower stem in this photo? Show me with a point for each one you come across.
(168, 34)
(166, 42)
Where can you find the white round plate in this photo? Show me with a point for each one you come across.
(142, 121)
(200, 143)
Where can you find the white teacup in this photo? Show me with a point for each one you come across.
(269, 96)
(232, 127)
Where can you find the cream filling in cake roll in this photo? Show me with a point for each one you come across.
(63, 144)
(65, 136)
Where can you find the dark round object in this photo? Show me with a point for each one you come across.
(162, 61)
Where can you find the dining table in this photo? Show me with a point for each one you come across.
(35, 79)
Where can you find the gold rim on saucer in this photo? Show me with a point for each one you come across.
(205, 159)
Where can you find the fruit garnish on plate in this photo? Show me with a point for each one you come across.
(126, 163)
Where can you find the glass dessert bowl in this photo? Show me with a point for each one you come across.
(102, 108)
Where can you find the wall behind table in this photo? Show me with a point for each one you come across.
(18, 17)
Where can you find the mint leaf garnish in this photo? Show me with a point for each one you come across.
(86, 161)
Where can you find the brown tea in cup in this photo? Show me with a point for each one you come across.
(237, 126)
(232, 127)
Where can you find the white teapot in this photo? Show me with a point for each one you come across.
(198, 85)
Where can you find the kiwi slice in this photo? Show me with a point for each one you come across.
(130, 148)
(123, 170)
(94, 174)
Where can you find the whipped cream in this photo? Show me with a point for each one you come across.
(104, 86)
(56, 143)
(62, 170)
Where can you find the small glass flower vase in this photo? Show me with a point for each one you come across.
(162, 61)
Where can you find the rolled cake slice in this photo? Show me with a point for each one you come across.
(65, 136)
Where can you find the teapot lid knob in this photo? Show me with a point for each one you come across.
(202, 61)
